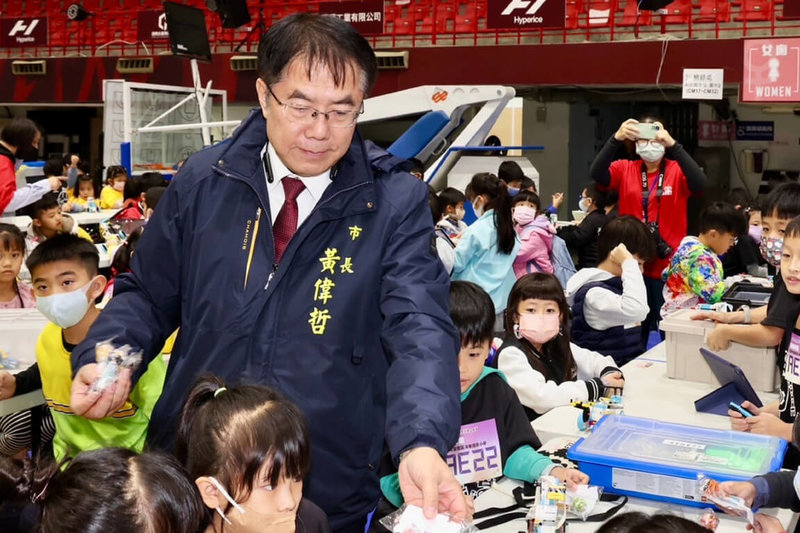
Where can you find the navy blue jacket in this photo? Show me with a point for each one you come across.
(621, 343)
(385, 364)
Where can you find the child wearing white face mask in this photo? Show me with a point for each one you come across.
(541, 364)
(66, 283)
(248, 450)
(581, 238)
(451, 202)
(535, 234)
(112, 195)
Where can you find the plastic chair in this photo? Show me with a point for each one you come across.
(756, 10)
(629, 16)
(445, 18)
(714, 11)
(679, 12)
(572, 17)
(601, 14)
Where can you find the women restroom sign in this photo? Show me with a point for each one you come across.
(771, 71)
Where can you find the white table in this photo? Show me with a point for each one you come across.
(82, 219)
(648, 393)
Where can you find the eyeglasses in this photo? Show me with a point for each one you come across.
(299, 114)
(645, 142)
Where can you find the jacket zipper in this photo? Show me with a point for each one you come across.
(252, 246)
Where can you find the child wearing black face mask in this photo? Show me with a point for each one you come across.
(767, 323)
(541, 364)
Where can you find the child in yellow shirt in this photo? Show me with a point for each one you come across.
(111, 196)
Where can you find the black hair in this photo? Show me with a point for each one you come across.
(724, 218)
(792, 228)
(132, 189)
(631, 232)
(527, 196)
(782, 202)
(45, 203)
(739, 196)
(317, 40)
(83, 166)
(13, 240)
(153, 196)
(19, 132)
(83, 178)
(451, 197)
(527, 183)
(598, 197)
(489, 185)
(231, 432)
(658, 523)
(543, 286)
(493, 140)
(650, 118)
(435, 204)
(415, 166)
(115, 170)
(122, 257)
(612, 198)
(53, 167)
(151, 179)
(65, 247)
(110, 489)
(472, 312)
(510, 171)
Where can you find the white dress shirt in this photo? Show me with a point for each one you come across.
(306, 200)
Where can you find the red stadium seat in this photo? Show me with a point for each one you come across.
(630, 18)
(756, 10)
(678, 12)
(714, 11)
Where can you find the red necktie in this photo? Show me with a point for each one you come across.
(286, 223)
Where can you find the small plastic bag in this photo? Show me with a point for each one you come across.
(112, 360)
(709, 519)
(7, 362)
(711, 491)
(582, 501)
(411, 519)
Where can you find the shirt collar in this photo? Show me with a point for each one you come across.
(315, 185)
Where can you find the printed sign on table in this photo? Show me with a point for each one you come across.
(476, 457)
(525, 14)
(23, 32)
(771, 70)
(366, 16)
(151, 26)
(702, 83)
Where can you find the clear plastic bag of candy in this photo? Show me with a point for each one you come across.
(112, 360)
(411, 519)
(711, 491)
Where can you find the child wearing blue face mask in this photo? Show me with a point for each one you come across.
(66, 283)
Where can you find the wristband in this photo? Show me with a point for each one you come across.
(746, 310)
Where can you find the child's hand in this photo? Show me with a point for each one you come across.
(8, 385)
(570, 476)
(95, 406)
(743, 489)
(767, 524)
(718, 317)
(717, 339)
(769, 424)
(558, 199)
(738, 421)
(67, 207)
(613, 380)
(619, 254)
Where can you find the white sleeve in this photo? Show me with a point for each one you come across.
(590, 363)
(447, 254)
(27, 195)
(604, 309)
(532, 389)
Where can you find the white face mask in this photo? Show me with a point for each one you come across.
(583, 204)
(241, 520)
(651, 152)
(478, 210)
(65, 309)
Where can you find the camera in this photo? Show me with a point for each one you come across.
(663, 250)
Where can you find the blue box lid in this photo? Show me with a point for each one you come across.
(627, 441)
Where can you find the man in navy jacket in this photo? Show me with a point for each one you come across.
(350, 321)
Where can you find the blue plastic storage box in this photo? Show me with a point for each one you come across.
(660, 461)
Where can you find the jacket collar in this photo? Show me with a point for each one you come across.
(485, 372)
(240, 160)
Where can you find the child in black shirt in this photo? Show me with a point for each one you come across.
(496, 437)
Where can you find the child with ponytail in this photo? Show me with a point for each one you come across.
(248, 449)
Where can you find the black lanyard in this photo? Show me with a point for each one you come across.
(659, 187)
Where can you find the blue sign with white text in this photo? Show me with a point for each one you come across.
(755, 130)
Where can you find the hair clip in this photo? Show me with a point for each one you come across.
(219, 390)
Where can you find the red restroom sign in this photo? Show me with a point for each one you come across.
(771, 70)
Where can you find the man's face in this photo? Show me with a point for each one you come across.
(309, 149)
